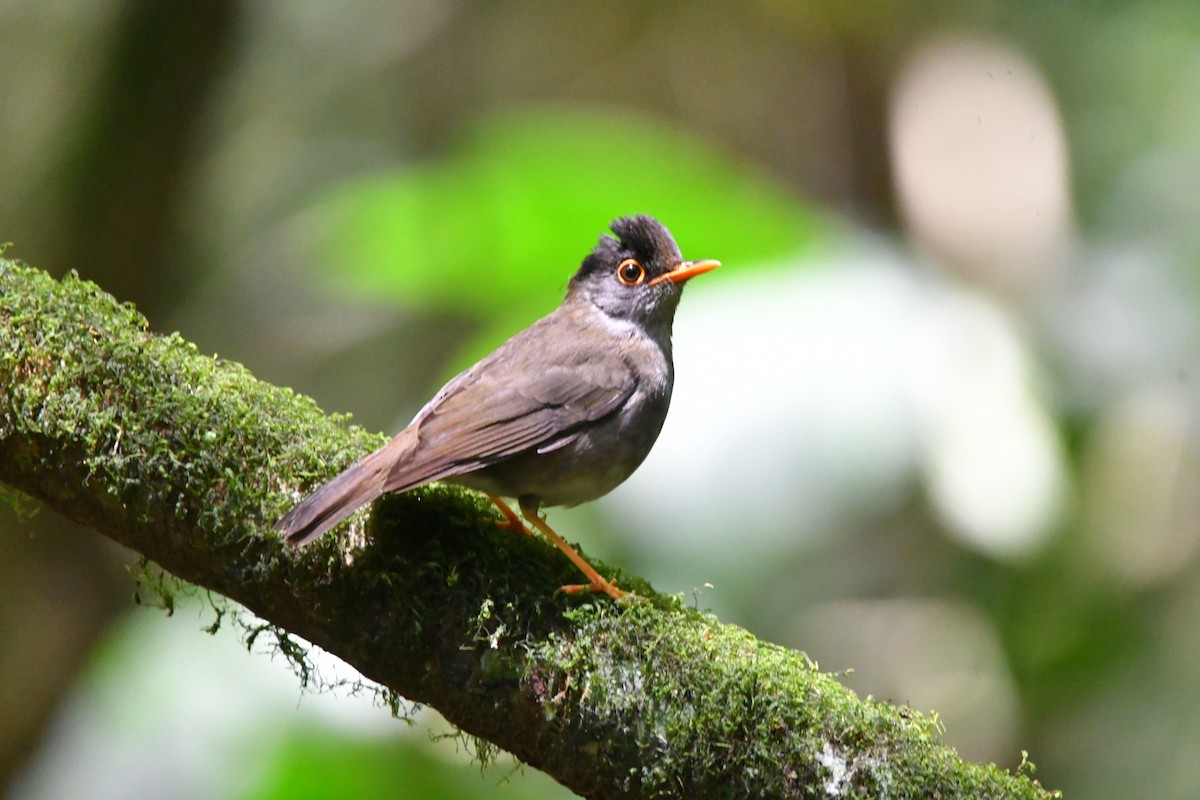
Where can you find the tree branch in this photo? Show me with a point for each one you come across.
(187, 459)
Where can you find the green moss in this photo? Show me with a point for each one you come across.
(188, 460)
(715, 701)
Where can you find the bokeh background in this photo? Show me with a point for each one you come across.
(935, 418)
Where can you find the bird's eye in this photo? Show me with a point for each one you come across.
(630, 272)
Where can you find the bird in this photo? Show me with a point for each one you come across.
(559, 414)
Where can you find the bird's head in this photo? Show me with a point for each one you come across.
(638, 275)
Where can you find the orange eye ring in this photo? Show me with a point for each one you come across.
(630, 272)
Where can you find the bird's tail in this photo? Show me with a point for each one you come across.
(337, 499)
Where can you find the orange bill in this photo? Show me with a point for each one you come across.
(686, 271)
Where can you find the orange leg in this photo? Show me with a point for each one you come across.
(511, 521)
(596, 583)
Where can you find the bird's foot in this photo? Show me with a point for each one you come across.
(596, 581)
(511, 521)
(606, 587)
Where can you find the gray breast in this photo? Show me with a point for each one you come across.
(592, 460)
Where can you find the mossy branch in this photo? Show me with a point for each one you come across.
(187, 459)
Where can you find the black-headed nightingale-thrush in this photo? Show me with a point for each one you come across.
(559, 414)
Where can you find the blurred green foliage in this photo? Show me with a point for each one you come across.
(503, 219)
(314, 765)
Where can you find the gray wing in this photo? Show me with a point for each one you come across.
(535, 392)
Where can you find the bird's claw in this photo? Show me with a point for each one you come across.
(604, 587)
(510, 521)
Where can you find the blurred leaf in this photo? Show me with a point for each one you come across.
(315, 765)
(501, 224)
